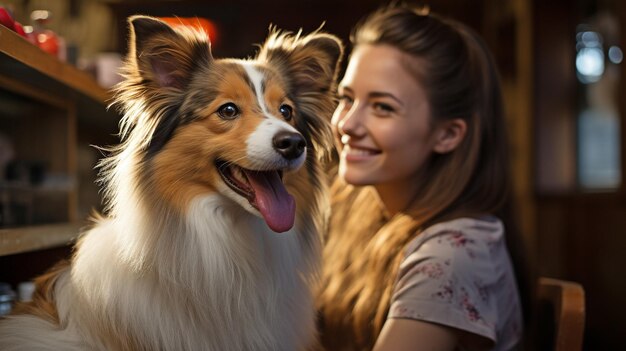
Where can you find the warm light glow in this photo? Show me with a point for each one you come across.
(203, 24)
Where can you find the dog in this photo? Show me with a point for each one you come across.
(215, 202)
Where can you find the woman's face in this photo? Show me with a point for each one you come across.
(383, 120)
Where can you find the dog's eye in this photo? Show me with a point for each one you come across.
(228, 111)
(286, 111)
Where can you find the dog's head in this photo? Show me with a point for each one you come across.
(201, 125)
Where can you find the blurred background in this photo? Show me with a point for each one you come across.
(561, 64)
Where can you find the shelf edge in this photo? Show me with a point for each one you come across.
(33, 238)
(18, 48)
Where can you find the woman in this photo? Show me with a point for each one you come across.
(416, 257)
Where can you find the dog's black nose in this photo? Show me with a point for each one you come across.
(289, 144)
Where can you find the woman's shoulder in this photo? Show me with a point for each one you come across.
(463, 230)
(465, 243)
(485, 223)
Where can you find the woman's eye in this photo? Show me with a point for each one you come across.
(286, 111)
(345, 99)
(383, 108)
(228, 111)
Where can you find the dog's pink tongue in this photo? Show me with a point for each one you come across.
(274, 202)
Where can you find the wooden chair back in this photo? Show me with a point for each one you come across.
(561, 315)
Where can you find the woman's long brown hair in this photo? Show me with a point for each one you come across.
(364, 249)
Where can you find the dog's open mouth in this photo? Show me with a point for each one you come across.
(264, 190)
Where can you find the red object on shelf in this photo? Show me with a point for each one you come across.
(6, 19)
(48, 41)
(45, 39)
(19, 29)
(202, 24)
(31, 36)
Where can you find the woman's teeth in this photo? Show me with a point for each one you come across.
(359, 152)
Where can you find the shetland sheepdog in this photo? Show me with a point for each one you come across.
(215, 203)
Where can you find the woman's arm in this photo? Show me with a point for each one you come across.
(400, 334)
(413, 335)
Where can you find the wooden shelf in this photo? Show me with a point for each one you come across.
(22, 51)
(25, 239)
(28, 70)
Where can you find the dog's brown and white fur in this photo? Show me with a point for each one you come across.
(188, 257)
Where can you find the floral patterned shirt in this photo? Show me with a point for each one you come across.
(459, 274)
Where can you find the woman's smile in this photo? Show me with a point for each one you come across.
(355, 153)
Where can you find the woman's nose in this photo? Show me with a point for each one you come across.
(351, 123)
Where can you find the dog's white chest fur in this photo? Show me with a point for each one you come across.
(228, 284)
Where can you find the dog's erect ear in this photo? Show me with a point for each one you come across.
(312, 61)
(163, 55)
